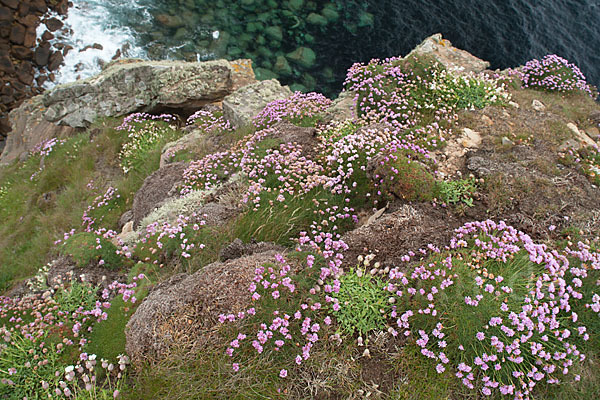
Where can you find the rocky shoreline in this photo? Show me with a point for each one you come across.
(26, 60)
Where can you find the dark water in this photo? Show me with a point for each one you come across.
(505, 32)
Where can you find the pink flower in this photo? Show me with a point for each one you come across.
(283, 373)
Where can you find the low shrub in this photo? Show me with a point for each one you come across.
(458, 191)
(364, 302)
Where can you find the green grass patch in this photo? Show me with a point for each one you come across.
(42, 199)
(87, 249)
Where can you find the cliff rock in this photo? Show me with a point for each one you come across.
(122, 88)
(245, 103)
(181, 311)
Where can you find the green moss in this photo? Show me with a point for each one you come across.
(408, 180)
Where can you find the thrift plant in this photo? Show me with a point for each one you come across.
(209, 121)
(554, 74)
(499, 310)
(145, 133)
(301, 109)
(45, 148)
(412, 93)
(164, 241)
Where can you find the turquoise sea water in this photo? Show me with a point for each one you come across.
(310, 44)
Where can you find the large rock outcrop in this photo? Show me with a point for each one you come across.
(178, 314)
(124, 87)
(245, 103)
(30, 128)
(454, 59)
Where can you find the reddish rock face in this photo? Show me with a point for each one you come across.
(54, 24)
(47, 36)
(22, 52)
(55, 61)
(19, 59)
(6, 14)
(6, 64)
(5, 29)
(30, 21)
(25, 73)
(17, 33)
(10, 3)
(42, 54)
(24, 9)
(30, 37)
(39, 6)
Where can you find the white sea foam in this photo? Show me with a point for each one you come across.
(92, 22)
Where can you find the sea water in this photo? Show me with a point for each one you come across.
(336, 33)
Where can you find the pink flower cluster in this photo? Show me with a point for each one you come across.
(296, 107)
(45, 148)
(531, 335)
(554, 73)
(387, 93)
(296, 175)
(179, 236)
(209, 121)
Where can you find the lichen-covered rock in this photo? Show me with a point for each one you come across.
(179, 313)
(342, 108)
(245, 103)
(455, 60)
(237, 249)
(215, 207)
(123, 87)
(157, 187)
